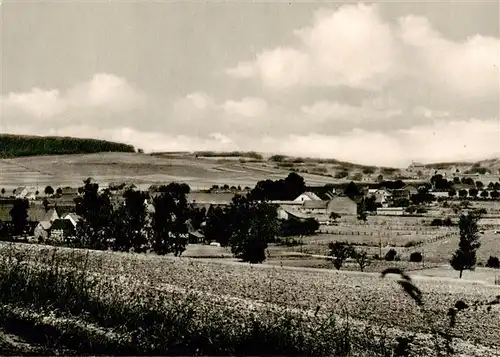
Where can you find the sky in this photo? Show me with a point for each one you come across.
(380, 83)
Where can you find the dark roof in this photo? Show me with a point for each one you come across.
(315, 204)
(213, 198)
(64, 224)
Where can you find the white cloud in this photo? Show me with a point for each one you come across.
(373, 109)
(248, 107)
(37, 102)
(103, 91)
(354, 47)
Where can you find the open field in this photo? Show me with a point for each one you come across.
(210, 288)
(143, 170)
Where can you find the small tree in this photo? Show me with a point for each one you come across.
(390, 255)
(45, 203)
(340, 251)
(452, 192)
(362, 259)
(465, 256)
(493, 262)
(49, 190)
(473, 192)
(335, 216)
(484, 194)
(59, 191)
(19, 216)
(3, 191)
(462, 193)
(416, 257)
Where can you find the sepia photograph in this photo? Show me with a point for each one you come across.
(250, 178)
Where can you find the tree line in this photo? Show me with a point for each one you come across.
(19, 145)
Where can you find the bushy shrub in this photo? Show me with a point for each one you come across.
(493, 262)
(391, 255)
(416, 257)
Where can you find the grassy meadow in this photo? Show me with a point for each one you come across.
(142, 169)
(121, 303)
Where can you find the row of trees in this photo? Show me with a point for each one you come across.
(464, 258)
(474, 192)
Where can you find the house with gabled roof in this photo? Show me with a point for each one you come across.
(307, 196)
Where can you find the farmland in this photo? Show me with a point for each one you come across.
(237, 291)
(142, 169)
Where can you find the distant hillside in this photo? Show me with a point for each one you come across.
(491, 166)
(20, 145)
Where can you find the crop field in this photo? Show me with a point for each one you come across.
(221, 294)
(199, 173)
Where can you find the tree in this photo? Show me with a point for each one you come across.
(335, 216)
(465, 256)
(3, 191)
(484, 194)
(362, 259)
(130, 222)
(254, 225)
(59, 191)
(493, 262)
(169, 220)
(362, 216)
(352, 190)
(462, 193)
(95, 227)
(416, 257)
(342, 174)
(452, 193)
(391, 255)
(494, 194)
(49, 190)
(473, 192)
(456, 180)
(358, 176)
(19, 216)
(218, 226)
(45, 203)
(479, 185)
(380, 178)
(340, 251)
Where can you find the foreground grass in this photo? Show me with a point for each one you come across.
(102, 303)
(56, 294)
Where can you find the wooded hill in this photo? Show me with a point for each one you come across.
(21, 145)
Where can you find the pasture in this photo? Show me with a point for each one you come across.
(142, 169)
(221, 299)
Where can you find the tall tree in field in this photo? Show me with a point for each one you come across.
(361, 258)
(95, 226)
(19, 216)
(171, 212)
(130, 222)
(49, 190)
(465, 256)
(340, 251)
(253, 226)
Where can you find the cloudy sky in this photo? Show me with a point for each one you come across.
(375, 83)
